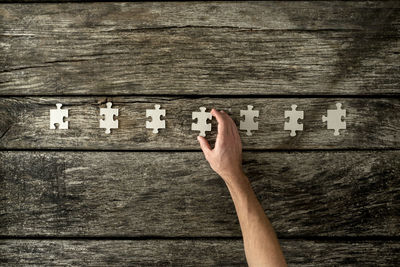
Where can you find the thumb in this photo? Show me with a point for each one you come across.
(205, 146)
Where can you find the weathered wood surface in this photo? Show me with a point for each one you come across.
(257, 48)
(177, 194)
(192, 252)
(24, 123)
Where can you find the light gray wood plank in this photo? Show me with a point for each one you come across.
(24, 123)
(177, 194)
(257, 48)
(192, 252)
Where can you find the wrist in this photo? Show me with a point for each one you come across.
(237, 182)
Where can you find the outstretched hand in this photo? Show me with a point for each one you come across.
(260, 242)
(226, 157)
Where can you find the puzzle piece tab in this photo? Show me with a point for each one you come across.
(57, 117)
(334, 119)
(108, 122)
(292, 125)
(155, 114)
(201, 124)
(248, 124)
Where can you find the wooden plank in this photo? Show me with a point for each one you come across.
(192, 252)
(258, 48)
(177, 194)
(260, 15)
(24, 123)
(271, 14)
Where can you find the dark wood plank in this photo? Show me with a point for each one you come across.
(260, 15)
(24, 123)
(177, 194)
(192, 252)
(258, 48)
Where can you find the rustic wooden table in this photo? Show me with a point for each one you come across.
(81, 197)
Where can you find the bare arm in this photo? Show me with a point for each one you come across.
(260, 242)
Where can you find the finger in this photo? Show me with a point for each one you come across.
(233, 129)
(230, 123)
(204, 145)
(221, 119)
(233, 125)
(232, 132)
(226, 116)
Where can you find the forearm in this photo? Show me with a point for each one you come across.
(261, 245)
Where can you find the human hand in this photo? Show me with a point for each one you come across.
(261, 245)
(226, 157)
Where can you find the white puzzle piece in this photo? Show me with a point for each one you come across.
(248, 124)
(334, 119)
(57, 117)
(201, 124)
(108, 122)
(293, 125)
(155, 114)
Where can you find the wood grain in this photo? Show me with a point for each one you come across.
(256, 48)
(24, 123)
(132, 194)
(192, 252)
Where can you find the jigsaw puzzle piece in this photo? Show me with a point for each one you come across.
(108, 122)
(57, 117)
(293, 125)
(156, 122)
(201, 124)
(335, 119)
(249, 124)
